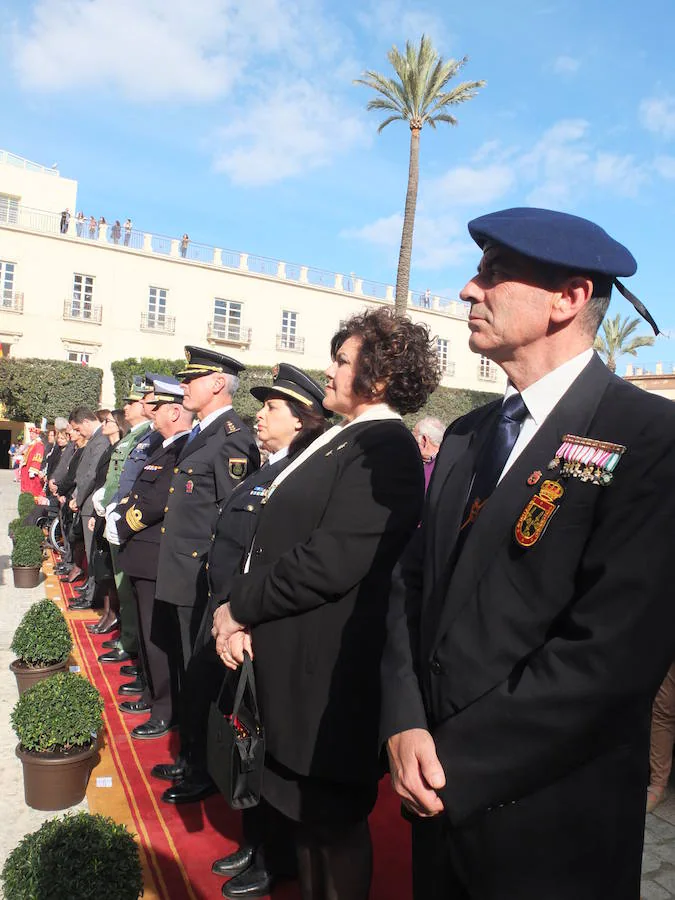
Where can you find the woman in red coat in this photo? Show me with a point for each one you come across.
(32, 463)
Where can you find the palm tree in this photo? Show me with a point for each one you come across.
(416, 96)
(616, 341)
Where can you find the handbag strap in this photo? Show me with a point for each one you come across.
(246, 679)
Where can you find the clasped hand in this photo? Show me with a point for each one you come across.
(232, 638)
(416, 771)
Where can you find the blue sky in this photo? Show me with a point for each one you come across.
(237, 121)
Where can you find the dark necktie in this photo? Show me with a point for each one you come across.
(493, 457)
(193, 434)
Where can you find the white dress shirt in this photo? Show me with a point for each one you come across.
(174, 437)
(540, 399)
(212, 416)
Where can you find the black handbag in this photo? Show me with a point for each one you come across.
(76, 531)
(235, 744)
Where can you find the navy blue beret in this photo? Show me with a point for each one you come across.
(555, 238)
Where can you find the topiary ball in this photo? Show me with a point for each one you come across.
(28, 546)
(43, 637)
(79, 857)
(25, 503)
(62, 712)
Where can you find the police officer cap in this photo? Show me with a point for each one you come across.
(135, 393)
(291, 382)
(167, 390)
(560, 239)
(203, 361)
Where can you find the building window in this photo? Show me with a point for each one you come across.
(443, 349)
(486, 370)
(9, 209)
(6, 283)
(83, 292)
(77, 357)
(157, 308)
(227, 319)
(289, 330)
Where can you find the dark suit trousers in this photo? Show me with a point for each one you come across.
(577, 839)
(154, 649)
(182, 625)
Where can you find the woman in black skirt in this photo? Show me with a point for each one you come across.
(311, 605)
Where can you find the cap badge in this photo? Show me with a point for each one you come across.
(587, 459)
(534, 519)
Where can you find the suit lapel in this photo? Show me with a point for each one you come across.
(494, 527)
(201, 439)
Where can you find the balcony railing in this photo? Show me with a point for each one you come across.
(228, 334)
(448, 369)
(290, 342)
(487, 373)
(220, 258)
(11, 301)
(77, 311)
(160, 323)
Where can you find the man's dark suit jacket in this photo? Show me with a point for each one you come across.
(142, 513)
(85, 476)
(205, 473)
(534, 669)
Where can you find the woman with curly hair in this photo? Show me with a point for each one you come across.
(312, 602)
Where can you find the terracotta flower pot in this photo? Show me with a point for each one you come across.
(26, 576)
(56, 780)
(26, 675)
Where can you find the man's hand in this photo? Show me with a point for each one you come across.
(91, 523)
(233, 654)
(416, 772)
(73, 505)
(53, 487)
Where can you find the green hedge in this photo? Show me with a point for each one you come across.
(33, 388)
(80, 857)
(124, 370)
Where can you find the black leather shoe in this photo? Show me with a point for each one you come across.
(188, 791)
(168, 771)
(132, 687)
(153, 728)
(115, 656)
(83, 603)
(112, 644)
(129, 670)
(62, 568)
(114, 625)
(135, 706)
(253, 882)
(235, 863)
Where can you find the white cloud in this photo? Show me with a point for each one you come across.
(566, 65)
(297, 127)
(467, 186)
(657, 114)
(665, 167)
(393, 20)
(620, 173)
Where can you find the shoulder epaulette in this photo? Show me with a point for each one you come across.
(230, 427)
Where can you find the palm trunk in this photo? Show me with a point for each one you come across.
(405, 253)
(611, 363)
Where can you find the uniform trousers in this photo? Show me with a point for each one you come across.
(663, 732)
(128, 614)
(153, 648)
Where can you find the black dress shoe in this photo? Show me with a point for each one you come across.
(168, 771)
(70, 578)
(188, 791)
(115, 656)
(129, 670)
(62, 568)
(114, 625)
(135, 706)
(235, 863)
(253, 882)
(153, 728)
(113, 644)
(84, 603)
(132, 687)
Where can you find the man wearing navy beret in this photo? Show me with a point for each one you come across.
(531, 617)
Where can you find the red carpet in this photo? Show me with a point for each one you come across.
(179, 843)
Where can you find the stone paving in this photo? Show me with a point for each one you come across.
(18, 819)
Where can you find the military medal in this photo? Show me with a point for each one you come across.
(587, 459)
(534, 519)
(534, 477)
(189, 486)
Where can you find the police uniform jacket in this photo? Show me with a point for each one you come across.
(316, 595)
(206, 472)
(534, 667)
(142, 513)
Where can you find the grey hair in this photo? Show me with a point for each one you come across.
(231, 384)
(432, 428)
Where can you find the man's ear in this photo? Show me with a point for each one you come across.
(572, 299)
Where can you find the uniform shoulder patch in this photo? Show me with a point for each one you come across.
(230, 427)
(237, 466)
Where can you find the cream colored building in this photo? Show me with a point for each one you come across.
(661, 381)
(74, 290)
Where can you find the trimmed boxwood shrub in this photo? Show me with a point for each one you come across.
(14, 526)
(25, 504)
(28, 546)
(59, 713)
(78, 857)
(43, 637)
